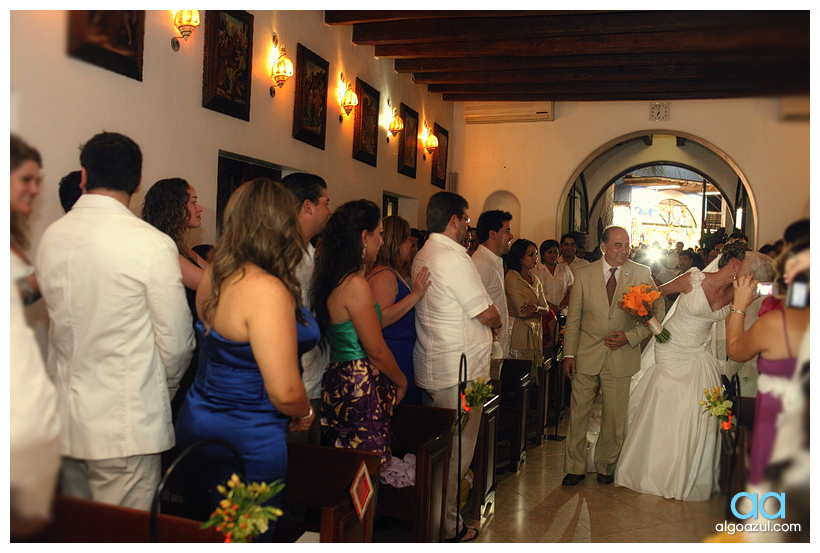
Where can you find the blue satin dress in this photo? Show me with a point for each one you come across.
(228, 401)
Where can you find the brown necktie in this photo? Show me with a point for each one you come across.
(610, 284)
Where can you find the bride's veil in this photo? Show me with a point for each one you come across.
(640, 380)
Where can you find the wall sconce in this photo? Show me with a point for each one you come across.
(282, 70)
(396, 124)
(431, 142)
(185, 21)
(348, 100)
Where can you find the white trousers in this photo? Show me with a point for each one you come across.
(126, 481)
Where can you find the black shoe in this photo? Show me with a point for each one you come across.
(460, 538)
(606, 478)
(572, 479)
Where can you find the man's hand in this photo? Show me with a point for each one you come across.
(615, 340)
(569, 367)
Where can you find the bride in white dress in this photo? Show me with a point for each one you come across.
(671, 448)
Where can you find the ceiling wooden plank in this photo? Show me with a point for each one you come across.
(789, 71)
(602, 96)
(350, 17)
(707, 40)
(457, 29)
(429, 65)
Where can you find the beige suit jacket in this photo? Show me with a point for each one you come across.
(590, 318)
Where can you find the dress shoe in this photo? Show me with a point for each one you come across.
(572, 479)
(605, 478)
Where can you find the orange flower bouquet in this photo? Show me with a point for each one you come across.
(241, 516)
(638, 303)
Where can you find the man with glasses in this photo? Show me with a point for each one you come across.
(455, 316)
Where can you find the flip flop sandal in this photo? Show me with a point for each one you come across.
(460, 537)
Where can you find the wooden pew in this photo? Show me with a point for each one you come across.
(425, 432)
(539, 394)
(515, 383)
(318, 486)
(81, 521)
(484, 458)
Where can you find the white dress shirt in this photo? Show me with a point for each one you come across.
(446, 325)
(314, 361)
(576, 262)
(121, 334)
(34, 427)
(491, 269)
(555, 285)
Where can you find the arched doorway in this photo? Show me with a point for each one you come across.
(699, 169)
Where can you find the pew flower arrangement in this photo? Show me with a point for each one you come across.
(638, 303)
(241, 516)
(477, 395)
(718, 405)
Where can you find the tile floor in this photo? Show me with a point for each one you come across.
(532, 506)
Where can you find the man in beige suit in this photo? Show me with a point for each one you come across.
(601, 347)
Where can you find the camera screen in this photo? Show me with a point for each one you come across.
(765, 288)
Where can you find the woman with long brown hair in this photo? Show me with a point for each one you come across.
(25, 186)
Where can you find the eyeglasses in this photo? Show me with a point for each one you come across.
(465, 219)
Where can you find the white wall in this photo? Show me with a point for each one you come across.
(536, 160)
(60, 102)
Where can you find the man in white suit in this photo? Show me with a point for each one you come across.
(601, 347)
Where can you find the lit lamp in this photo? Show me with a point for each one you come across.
(185, 21)
(431, 142)
(282, 69)
(349, 100)
(396, 124)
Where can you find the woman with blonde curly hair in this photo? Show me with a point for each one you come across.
(25, 186)
(389, 283)
(252, 330)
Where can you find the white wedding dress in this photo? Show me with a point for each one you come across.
(671, 447)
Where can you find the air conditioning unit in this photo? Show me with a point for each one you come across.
(508, 112)
(794, 108)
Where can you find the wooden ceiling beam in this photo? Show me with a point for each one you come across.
(708, 40)
(458, 29)
(598, 97)
(431, 65)
(352, 17)
(788, 71)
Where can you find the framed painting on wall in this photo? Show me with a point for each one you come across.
(366, 124)
(226, 79)
(111, 39)
(438, 175)
(310, 103)
(408, 141)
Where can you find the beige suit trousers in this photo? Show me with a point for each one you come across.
(615, 392)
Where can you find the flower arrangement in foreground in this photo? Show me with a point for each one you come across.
(477, 395)
(717, 405)
(638, 303)
(241, 516)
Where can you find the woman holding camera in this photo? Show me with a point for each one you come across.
(775, 337)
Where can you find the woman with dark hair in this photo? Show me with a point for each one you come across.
(171, 206)
(25, 186)
(556, 279)
(671, 448)
(363, 382)
(388, 282)
(526, 302)
(252, 330)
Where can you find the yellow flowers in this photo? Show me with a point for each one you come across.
(245, 502)
(717, 404)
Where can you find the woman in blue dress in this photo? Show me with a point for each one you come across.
(389, 283)
(252, 329)
(363, 382)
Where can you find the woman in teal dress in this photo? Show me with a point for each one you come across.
(363, 382)
(252, 327)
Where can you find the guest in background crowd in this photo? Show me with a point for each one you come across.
(556, 279)
(363, 382)
(34, 427)
(568, 256)
(769, 250)
(455, 316)
(313, 208)
(495, 236)
(526, 302)
(252, 329)
(70, 190)
(796, 232)
(389, 283)
(171, 206)
(471, 241)
(25, 186)
(121, 334)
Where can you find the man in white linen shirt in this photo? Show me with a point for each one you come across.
(313, 205)
(455, 316)
(494, 237)
(121, 334)
(568, 249)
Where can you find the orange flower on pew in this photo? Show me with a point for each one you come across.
(245, 502)
(477, 395)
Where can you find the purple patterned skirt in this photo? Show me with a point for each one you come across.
(357, 405)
